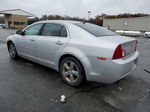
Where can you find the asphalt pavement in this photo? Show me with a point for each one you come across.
(29, 87)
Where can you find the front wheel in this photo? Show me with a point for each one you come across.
(72, 71)
(12, 50)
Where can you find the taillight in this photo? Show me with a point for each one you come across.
(119, 53)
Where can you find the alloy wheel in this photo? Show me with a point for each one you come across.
(70, 71)
(12, 50)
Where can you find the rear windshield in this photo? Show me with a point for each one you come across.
(95, 29)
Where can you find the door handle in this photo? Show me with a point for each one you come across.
(32, 39)
(59, 43)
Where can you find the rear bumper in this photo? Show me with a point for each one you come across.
(110, 71)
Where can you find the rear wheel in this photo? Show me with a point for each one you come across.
(72, 71)
(12, 50)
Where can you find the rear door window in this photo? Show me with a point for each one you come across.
(51, 29)
(63, 32)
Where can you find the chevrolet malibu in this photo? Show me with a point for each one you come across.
(78, 50)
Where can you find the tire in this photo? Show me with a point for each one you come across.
(72, 71)
(12, 50)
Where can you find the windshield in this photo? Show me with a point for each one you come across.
(96, 30)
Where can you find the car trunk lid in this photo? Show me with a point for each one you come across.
(128, 44)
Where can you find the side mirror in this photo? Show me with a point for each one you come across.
(19, 32)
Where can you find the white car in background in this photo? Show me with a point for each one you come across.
(2, 25)
(78, 50)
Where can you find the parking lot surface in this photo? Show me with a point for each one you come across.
(29, 87)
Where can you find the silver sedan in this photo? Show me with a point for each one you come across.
(78, 50)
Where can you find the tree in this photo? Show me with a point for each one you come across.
(98, 20)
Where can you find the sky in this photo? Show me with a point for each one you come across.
(77, 8)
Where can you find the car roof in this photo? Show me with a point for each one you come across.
(59, 21)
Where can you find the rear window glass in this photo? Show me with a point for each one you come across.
(96, 30)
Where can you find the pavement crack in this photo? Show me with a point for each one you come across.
(146, 70)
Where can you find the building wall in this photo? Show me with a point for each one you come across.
(17, 21)
(132, 24)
